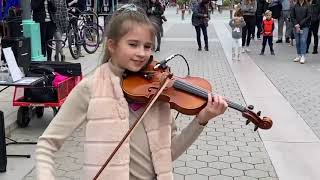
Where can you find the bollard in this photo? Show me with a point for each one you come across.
(3, 153)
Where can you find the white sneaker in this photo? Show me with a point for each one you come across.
(247, 50)
(243, 50)
(297, 59)
(302, 60)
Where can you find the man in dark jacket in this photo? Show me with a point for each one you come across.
(200, 18)
(43, 13)
(262, 6)
(314, 27)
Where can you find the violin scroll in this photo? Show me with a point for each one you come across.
(264, 123)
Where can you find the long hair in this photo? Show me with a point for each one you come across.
(121, 23)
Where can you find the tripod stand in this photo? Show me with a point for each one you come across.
(3, 144)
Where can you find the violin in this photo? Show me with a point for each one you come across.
(188, 95)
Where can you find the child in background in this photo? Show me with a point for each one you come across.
(267, 32)
(236, 24)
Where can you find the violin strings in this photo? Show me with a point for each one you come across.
(204, 93)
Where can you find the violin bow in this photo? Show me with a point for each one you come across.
(132, 128)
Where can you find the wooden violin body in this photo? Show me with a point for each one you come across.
(141, 90)
(187, 95)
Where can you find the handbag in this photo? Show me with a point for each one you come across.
(42, 91)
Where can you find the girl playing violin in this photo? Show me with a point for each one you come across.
(99, 102)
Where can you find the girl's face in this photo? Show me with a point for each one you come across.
(133, 50)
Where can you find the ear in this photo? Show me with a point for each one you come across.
(111, 45)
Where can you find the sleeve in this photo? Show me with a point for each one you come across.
(306, 19)
(231, 24)
(318, 10)
(71, 115)
(265, 6)
(243, 23)
(196, 12)
(273, 26)
(181, 142)
(244, 8)
(35, 4)
(293, 16)
(254, 9)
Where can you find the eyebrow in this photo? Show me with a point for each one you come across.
(136, 41)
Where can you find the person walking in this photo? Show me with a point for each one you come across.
(236, 24)
(248, 8)
(155, 12)
(200, 18)
(314, 27)
(267, 31)
(61, 21)
(301, 19)
(284, 18)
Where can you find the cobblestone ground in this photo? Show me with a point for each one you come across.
(226, 149)
(299, 84)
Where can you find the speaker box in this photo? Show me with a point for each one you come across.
(21, 48)
(3, 153)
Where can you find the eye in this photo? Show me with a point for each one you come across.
(147, 46)
(133, 44)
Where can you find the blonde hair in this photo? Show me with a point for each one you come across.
(268, 12)
(121, 22)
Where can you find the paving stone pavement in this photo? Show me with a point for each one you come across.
(226, 149)
(298, 83)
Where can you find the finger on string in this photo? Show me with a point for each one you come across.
(209, 99)
(216, 99)
(224, 104)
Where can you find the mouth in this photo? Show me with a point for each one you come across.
(138, 62)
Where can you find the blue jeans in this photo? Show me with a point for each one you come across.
(301, 41)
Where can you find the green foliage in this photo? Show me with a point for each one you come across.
(181, 2)
(226, 3)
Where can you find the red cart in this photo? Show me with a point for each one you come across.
(28, 109)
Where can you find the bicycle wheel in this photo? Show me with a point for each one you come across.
(101, 34)
(90, 36)
(73, 45)
(99, 29)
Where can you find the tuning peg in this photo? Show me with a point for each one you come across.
(250, 107)
(247, 122)
(259, 113)
(255, 128)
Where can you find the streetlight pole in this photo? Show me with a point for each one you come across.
(31, 29)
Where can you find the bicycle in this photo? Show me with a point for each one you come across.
(80, 34)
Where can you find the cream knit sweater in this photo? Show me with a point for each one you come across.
(136, 157)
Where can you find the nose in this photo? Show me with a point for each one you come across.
(141, 52)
